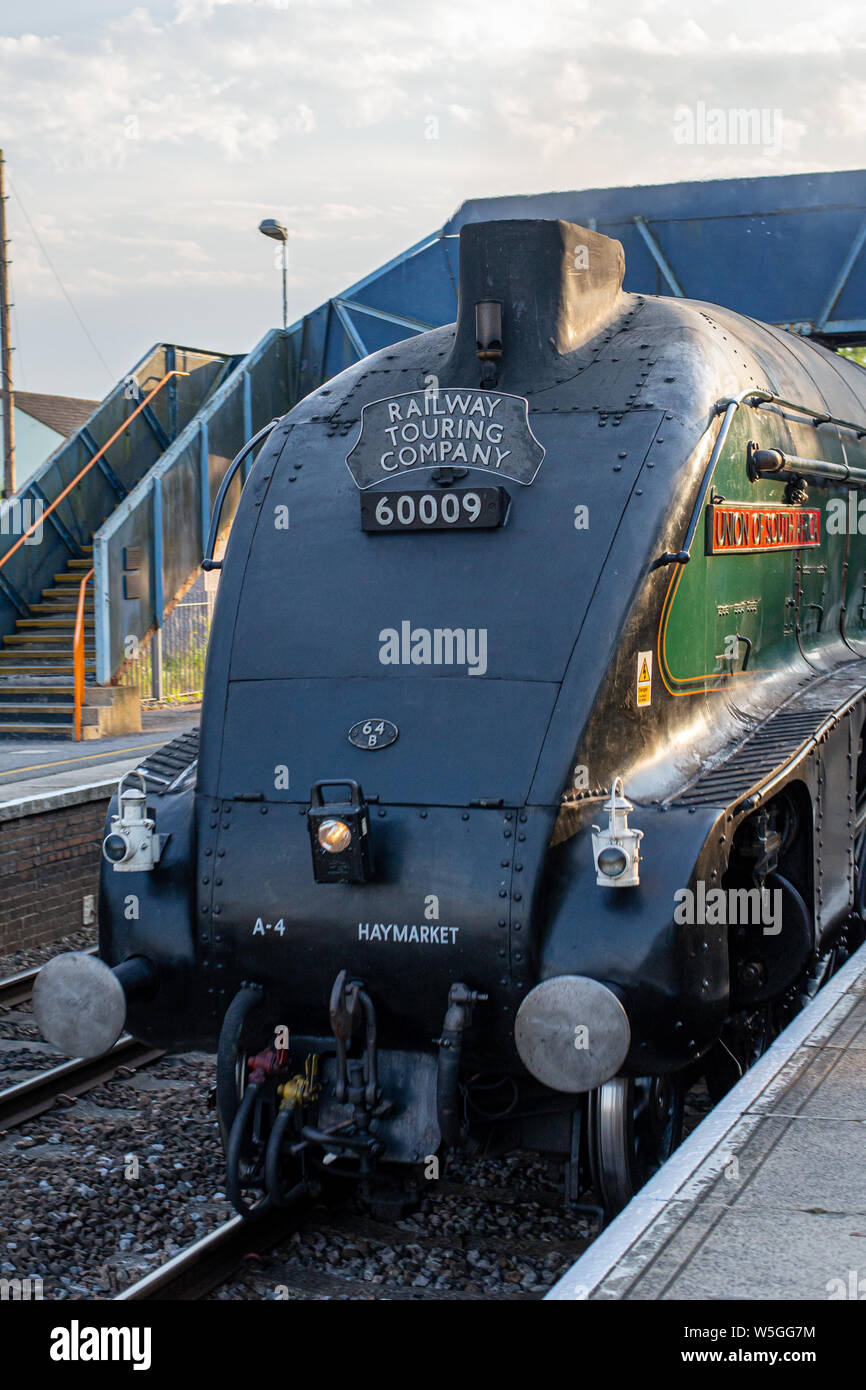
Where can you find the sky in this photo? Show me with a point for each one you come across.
(145, 143)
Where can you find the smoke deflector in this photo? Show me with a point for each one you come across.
(558, 285)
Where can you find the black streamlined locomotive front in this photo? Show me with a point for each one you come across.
(383, 896)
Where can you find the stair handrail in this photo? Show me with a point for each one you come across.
(78, 655)
(87, 467)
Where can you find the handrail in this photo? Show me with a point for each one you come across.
(87, 467)
(750, 397)
(78, 655)
(820, 417)
(730, 407)
(209, 563)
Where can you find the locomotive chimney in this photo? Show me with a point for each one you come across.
(530, 293)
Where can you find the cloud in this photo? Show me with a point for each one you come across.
(148, 145)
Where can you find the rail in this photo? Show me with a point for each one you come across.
(194, 1272)
(78, 655)
(27, 1099)
(17, 989)
(90, 463)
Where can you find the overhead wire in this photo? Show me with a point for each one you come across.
(113, 375)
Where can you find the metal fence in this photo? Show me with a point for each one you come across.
(170, 665)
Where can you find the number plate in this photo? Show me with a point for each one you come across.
(446, 509)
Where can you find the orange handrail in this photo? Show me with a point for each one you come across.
(87, 467)
(78, 655)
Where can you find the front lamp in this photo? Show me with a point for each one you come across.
(612, 861)
(616, 849)
(115, 848)
(334, 836)
(339, 826)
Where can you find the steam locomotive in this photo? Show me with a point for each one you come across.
(530, 783)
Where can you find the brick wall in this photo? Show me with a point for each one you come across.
(49, 860)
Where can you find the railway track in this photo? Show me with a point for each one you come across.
(203, 1266)
(249, 1253)
(38, 1093)
(257, 1258)
(26, 1099)
(17, 989)
(220, 1257)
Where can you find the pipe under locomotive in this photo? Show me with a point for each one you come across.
(490, 742)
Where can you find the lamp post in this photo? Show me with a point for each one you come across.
(7, 463)
(270, 227)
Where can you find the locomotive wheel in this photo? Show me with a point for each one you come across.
(634, 1126)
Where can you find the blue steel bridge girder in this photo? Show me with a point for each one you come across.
(766, 247)
(658, 256)
(102, 464)
(349, 328)
(413, 292)
(822, 324)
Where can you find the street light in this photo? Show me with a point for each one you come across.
(276, 231)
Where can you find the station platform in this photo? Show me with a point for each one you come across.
(55, 770)
(766, 1199)
(54, 798)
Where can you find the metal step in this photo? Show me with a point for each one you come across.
(49, 730)
(164, 766)
(69, 604)
(46, 690)
(41, 624)
(16, 667)
(21, 655)
(9, 711)
(43, 639)
(65, 595)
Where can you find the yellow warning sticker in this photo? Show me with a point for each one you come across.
(643, 694)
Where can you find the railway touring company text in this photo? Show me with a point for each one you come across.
(487, 430)
(458, 428)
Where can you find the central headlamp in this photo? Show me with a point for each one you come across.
(334, 836)
(339, 825)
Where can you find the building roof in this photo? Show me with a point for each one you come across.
(65, 414)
